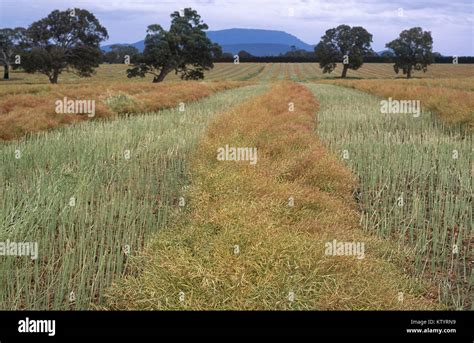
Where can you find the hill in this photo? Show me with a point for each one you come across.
(255, 41)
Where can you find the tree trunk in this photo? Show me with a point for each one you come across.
(6, 72)
(162, 75)
(53, 78)
(409, 73)
(344, 71)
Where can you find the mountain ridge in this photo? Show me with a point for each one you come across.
(258, 42)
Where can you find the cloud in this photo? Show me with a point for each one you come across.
(451, 23)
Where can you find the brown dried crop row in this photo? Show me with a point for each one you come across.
(33, 112)
(453, 106)
(240, 245)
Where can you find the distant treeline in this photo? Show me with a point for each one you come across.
(118, 53)
(314, 59)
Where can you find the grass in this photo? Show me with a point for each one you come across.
(240, 245)
(24, 111)
(397, 156)
(118, 202)
(443, 96)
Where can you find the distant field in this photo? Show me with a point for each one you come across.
(257, 72)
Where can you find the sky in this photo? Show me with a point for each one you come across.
(450, 22)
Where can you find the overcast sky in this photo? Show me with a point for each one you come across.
(450, 22)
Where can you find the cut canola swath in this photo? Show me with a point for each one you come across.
(257, 236)
(119, 201)
(34, 112)
(267, 72)
(296, 74)
(396, 157)
(453, 106)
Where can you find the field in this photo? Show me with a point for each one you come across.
(450, 99)
(84, 201)
(131, 209)
(412, 159)
(241, 246)
(31, 110)
(255, 72)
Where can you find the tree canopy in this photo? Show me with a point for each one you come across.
(184, 49)
(64, 40)
(412, 51)
(299, 53)
(343, 44)
(118, 54)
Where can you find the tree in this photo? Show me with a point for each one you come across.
(412, 50)
(227, 56)
(11, 41)
(299, 53)
(244, 55)
(387, 56)
(343, 43)
(64, 40)
(118, 53)
(184, 49)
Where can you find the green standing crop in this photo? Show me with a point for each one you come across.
(90, 195)
(415, 183)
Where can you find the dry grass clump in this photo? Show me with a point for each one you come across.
(35, 110)
(452, 105)
(240, 245)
